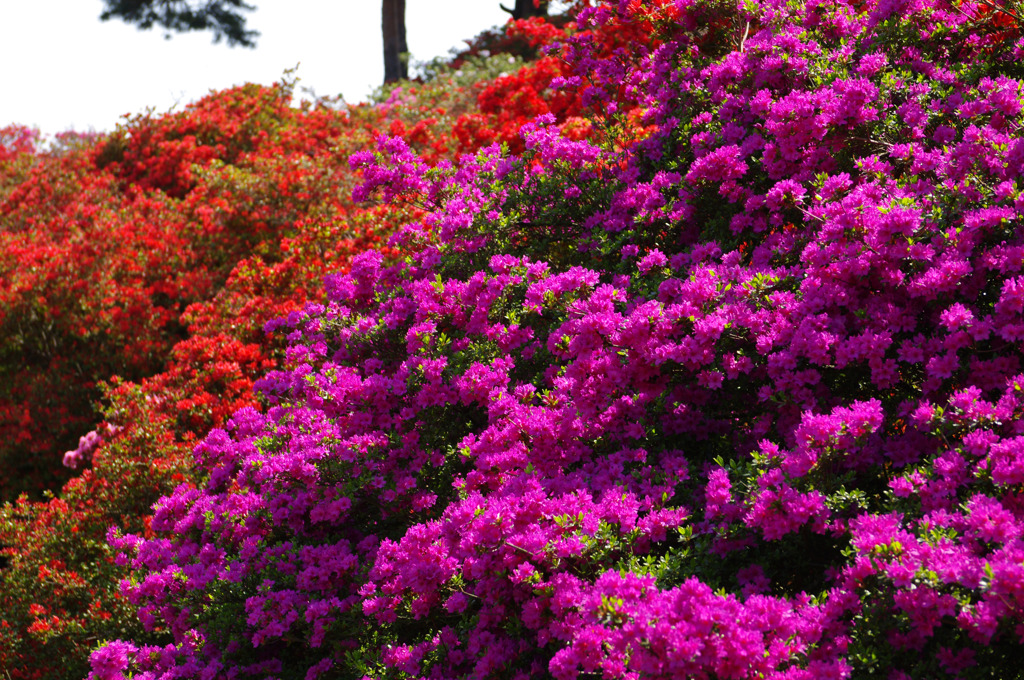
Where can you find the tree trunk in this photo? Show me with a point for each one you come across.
(525, 9)
(395, 48)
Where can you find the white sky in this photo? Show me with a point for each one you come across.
(61, 68)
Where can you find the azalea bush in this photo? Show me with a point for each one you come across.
(240, 176)
(729, 386)
(98, 267)
(139, 270)
(684, 341)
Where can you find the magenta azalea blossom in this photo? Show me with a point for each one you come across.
(732, 390)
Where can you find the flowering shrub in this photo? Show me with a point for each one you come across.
(17, 146)
(158, 253)
(729, 387)
(239, 176)
(78, 306)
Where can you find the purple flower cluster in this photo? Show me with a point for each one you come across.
(87, 445)
(745, 403)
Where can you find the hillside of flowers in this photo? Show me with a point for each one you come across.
(137, 270)
(690, 349)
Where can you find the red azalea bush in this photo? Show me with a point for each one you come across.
(96, 272)
(17, 149)
(731, 389)
(157, 254)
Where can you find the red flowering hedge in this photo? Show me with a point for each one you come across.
(139, 269)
